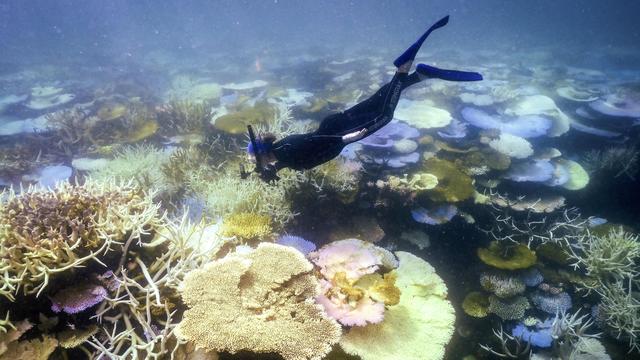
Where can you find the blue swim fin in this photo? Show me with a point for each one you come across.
(450, 75)
(410, 53)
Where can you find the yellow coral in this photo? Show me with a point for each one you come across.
(417, 328)
(36, 349)
(71, 338)
(246, 226)
(476, 304)
(261, 301)
(381, 288)
(453, 184)
(507, 257)
(236, 123)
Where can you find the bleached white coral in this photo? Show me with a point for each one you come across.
(142, 163)
(228, 193)
(512, 146)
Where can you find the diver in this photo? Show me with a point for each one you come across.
(305, 151)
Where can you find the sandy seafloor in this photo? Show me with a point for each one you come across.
(598, 99)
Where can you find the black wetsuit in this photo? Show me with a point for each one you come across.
(305, 151)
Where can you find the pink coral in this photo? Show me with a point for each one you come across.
(352, 256)
(355, 313)
(349, 279)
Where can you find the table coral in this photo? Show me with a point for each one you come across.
(259, 301)
(507, 257)
(352, 292)
(418, 327)
(453, 184)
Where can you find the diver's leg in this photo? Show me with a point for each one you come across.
(404, 61)
(427, 71)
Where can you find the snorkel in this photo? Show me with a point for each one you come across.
(259, 150)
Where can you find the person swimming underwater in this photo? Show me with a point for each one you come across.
(306, 151)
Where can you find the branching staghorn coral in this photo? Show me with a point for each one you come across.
(184, 116)
(139, 320)
(227, 193)
(607, 258)
(619, 310)
(511, 347)
(282, 124)
(19, 157)
(47, 232)
(571, 327)
(621, 160)
(142, 163)
(529, 227)
(71, 129)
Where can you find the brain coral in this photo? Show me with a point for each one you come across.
(418, 327)
(260, 301)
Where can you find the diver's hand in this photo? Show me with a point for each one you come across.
(269, 173)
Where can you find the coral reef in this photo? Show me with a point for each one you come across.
(607, 258)
(551, 303)
(259, 302)
(296, 242)
(507, 256)
(352, 292)
(66, 228)
(476, 304)
(508, 309)
(619, 313)
(246, 226)
(143, 163)
(512, 146)
(538, 335)
(418, 327)
(184, 117)
(502, 284)
(235, 123)
(227, 193)
(435, 215)
(453, 184)
(618, 160)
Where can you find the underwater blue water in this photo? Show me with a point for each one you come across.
(543, 154)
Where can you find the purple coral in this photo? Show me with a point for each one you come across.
(524, 126)
(298, 243)
(455, 130)
(531, 277)
(625, 105)
(77, 298)
(385, 137)
(539, 335)
(535, 171)
(397, 161)
(551, 303)
(436, 215)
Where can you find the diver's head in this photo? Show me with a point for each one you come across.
(264, 145)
